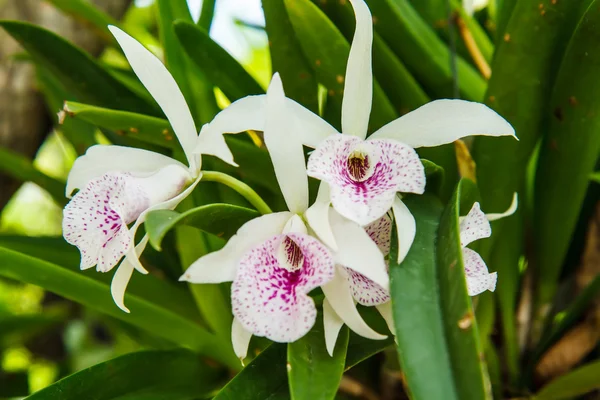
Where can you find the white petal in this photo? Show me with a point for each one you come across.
(444, 121)
(511, 210)
(338, 294)
(317, 216)
(221, 266)
(358, 84)
(406, 228)
(295, 225)
(310, 128)
(385, 310)
(332, 324)
(357, 251)
(123, 275)
(478, 278)
(285, 149)
(240, 338)
(474, 226)
(163, 88)
(469, 6)
(100, 159)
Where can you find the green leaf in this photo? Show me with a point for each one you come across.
(16, 329)
(263, 379)
(160, 310)
(327, 51)
(460, 326)
(22, 169)
(76, 70)
(287, 58)
(568, 154)
(312, 372)
(90, 14)
(222, 220)
(422, 348)
(145, 375)
(215, 62)
(426, 56)
(576, 383)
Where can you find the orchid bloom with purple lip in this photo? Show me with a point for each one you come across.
(364, 176)
(274, 261)
(474, 226)
(119, 185)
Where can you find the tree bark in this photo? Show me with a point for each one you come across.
(24, 121)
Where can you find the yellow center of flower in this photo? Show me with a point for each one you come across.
(359, 165)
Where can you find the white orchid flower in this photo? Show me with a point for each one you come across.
(474, 226)
(120, 185)
(471, 6)
(274, 261)
(364, 176)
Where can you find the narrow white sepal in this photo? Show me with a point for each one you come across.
(337, 292)
(406, 228)
(162, 86)
(511, 210)
(240, 338)
(295, 225)
(317, 216)
(385, 310)
(123, 275)
(332, 324)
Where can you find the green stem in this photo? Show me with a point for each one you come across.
(206, 14)
(240, 187)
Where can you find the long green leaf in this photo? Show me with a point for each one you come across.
(86, 12)
(145, 375)
(460, 326)
(222, 220)
(20, 168)
(215, 62)
(327, 51)
(576, 383)
(287, 58)
(151, 313)
(76, 70)
(422, 347)
(312, 372)
(568, 155)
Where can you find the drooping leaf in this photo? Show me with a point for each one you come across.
(76, 70)
(20, 168)
(91, 15)
(312, 372)
(145, 375)
(575, 383)
(215, 62)
(222, 220)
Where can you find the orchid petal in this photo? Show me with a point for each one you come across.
(123, 276)
(380, 232)
(385, 310)
(332, 324)
(358, 85)
(162, 86)
(511, 210)
(478, 278)
(365, 193)
(444, 121)
(365, 291)
(317, 216)
(337, 293)
(469, 6)
(295, 225)
(221, 266)
(406, 228)
(269, 295)
(358, 251)
(285, 149)
(101, 159)
(240, 338)
(310, 128)
(474, 226)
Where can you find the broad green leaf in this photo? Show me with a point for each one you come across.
(215, 62)
(505, 12)
(595, 177)
(83, 10)
(20, 168)
(287, 58)
(460, 326)
(312, 372)
(426, 56)
(327, 51)
(575, 383)
(222, 220)
(76, 70)
(153, 312)
(568, 154)
(145, 375)
(422, 348)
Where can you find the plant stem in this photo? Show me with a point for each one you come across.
(246, 191)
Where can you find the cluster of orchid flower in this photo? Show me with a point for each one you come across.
(340, 243)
